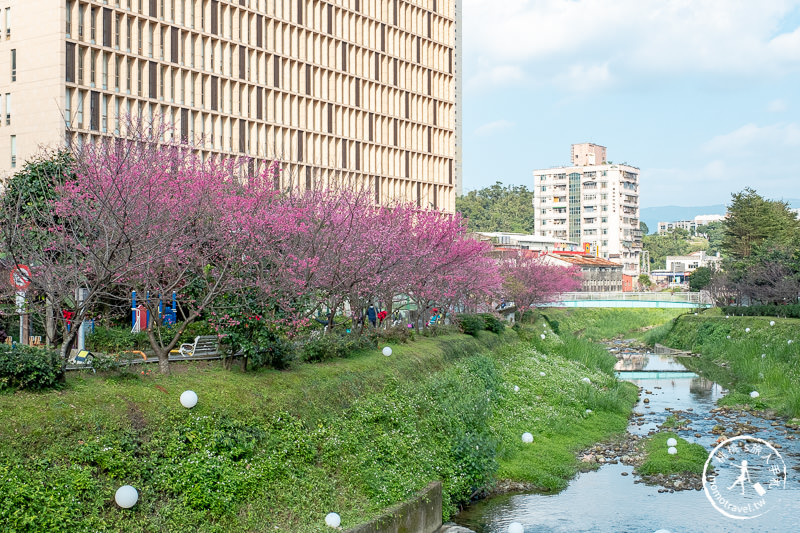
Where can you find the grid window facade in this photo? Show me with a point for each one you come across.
(334, 90)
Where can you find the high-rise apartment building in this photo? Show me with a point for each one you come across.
(593, 202)
(361, 90)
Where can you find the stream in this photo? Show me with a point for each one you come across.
(613, 499)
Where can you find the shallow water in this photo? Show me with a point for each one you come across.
(606, 501)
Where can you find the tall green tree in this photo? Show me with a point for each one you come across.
(676, 242)
(498, 208)
(754, 222)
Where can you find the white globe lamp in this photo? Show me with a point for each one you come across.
(672, 450)
(126, 496)
(189, 399)
(387, 351)
(527, 438)
(333, 520)
(671, 442)
(754, 394)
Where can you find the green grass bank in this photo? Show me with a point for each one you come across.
(596, 324)
(745, 354)
(277, 451)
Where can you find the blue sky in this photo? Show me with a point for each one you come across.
(702, 95)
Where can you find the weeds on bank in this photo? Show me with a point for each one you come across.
(762, 359)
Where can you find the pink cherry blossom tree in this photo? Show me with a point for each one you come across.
(528, 280)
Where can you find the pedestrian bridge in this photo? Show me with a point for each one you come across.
(664, 300)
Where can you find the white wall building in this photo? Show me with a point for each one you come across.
(536, 243)
(594, 202)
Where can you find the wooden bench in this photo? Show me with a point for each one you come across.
(204, 346)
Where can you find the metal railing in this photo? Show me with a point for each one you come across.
(684, 297)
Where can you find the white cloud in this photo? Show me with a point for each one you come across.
(751, 139)
(777, 106)
(491, 128)
(583, 78)
(554, 38)
(497, 75)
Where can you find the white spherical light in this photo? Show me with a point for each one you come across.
(771, 322)
(727, 316)
(527, 438)
(754, 394)
(189, 399)
(763, 355)
(387, 351)
(516, 388)
(515, 527)
(333, 520)
(729, 336)
(747, 330)
(672, 450)
(543, 336)
(126, 496)
(789, 341)
(672, 442)
(586, 380)
(588, 411)
(542, 374)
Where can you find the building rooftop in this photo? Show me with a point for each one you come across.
(585, 260)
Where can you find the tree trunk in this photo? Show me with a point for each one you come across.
(50, 323)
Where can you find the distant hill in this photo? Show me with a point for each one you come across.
(670, 213)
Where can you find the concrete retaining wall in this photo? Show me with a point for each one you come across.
(421, 514)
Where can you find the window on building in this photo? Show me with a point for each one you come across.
(129, 79)
(92, 25)
(105, 70)
(150, 39)
(81, 13)
(68, 107)
(117, 30)
(544, 188)
(13, 151)
(79, 118)
(69, 19)
(93, 68)
(14, 64)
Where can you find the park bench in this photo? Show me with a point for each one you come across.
(203, 347)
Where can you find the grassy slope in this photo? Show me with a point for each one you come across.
(278, 450)
(599, 323)
(776, 375)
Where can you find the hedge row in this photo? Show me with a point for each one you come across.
(786, 311)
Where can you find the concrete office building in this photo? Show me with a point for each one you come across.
(359, 90)
(592, 202)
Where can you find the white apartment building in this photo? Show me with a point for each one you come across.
(593, 202)
(361, 90)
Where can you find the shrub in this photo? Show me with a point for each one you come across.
(333, 346)
(276, 352)
(493, 324)
(471, 324)
(398, 334)
(25, 367)
(115, 340)
(788, 311)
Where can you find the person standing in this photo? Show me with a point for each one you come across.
(372, 315)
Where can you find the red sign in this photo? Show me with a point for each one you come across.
(20, 277)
